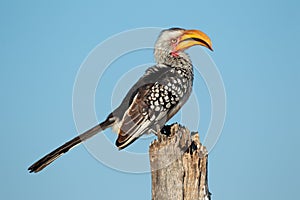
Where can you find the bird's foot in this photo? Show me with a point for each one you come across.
(166, 130)
(163, 133)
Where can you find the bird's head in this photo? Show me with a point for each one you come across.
(172, 42)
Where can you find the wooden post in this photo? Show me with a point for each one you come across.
(179, 166)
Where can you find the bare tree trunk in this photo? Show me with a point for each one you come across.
(179, 166)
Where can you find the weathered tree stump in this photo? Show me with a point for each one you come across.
(179, 166)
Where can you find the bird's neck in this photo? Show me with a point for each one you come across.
(181, 61)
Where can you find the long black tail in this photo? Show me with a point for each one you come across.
(49, 158)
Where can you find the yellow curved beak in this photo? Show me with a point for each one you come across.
(193, 37)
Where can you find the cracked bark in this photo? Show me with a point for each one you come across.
(178, 166)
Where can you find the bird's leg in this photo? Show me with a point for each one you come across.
(158, 133)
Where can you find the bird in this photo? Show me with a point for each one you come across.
(154, 99)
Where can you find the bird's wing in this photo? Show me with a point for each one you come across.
(135, 113)
(151, 76)
(135, 119)
(138, 118)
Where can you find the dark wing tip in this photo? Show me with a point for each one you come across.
(124, 141)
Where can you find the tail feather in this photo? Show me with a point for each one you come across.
(49, 158)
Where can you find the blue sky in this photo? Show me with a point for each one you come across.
(43, 44)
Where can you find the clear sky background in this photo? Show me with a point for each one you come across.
(43, 43)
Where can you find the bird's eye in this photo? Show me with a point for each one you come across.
(174, 41)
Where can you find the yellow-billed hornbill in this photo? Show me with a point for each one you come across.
(155, 98)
